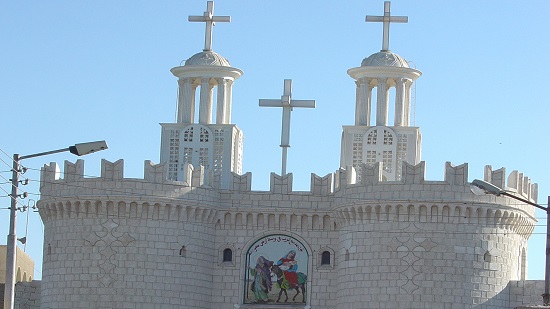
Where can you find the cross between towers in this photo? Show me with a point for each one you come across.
(287, 104)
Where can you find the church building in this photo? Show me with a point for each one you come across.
(374, 234)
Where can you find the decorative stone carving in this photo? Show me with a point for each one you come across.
(109, 242)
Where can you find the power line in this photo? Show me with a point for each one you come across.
(7, 155)
(9, 194)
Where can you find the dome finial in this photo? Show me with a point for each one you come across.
(387, 19)
(210, 20)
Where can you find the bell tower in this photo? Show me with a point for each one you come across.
(367, 142)
(200, 141)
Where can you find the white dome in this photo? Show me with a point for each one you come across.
(385, 59)
(208, 58)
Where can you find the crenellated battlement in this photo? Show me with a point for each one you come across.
(328, 205)
(516, 182)
(340, 180)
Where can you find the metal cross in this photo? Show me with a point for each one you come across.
(387, 19)
(210, 20)
(287, 104)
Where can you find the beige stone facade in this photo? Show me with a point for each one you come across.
(24, 266)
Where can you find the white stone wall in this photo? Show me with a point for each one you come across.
(525, 293)
(27, 295)
(112, 242)
(389, 264)
(110, 261)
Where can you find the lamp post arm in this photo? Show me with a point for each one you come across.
(524, 200)
(43, 153)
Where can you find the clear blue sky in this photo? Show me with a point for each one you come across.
(75, 71)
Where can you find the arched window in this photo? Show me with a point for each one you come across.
(325, 258)
(227, 255)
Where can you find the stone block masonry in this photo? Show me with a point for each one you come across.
(154, 243)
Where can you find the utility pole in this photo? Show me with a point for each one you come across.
(11, 246)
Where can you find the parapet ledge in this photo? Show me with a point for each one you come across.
(456, 175)
(413, 174)
(280, 184)
(199, 176)
(49, 173)
(73, 171)
(321, 185)
(155, 173)
(372, 174)
(283, 184)
(242, 183)
(110, 170)
(516, 182)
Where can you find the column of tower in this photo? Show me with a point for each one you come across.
(213, 146)
(365, 86)
(187, 92)
(366, 142)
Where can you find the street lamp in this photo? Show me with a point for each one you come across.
(79, 150)
(488, 188)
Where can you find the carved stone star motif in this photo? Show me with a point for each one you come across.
(410, 287)
(410, 273)
(394, 245)
(412, 229)
(410, 258)
(112, 225)
(106, 280)
(107, 267)
(126, 239)
(106, 242)
(92, 239)
(428, 244)
(402, 239)
(108, 253)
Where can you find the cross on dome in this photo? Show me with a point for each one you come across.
(210, 20)
(287, 104)
(386, 20)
